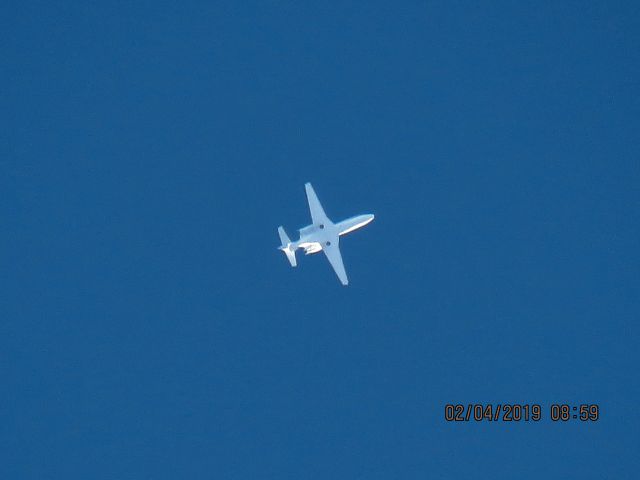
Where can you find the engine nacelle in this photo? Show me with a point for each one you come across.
(314, 248)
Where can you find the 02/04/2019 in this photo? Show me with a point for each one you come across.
(515, 412)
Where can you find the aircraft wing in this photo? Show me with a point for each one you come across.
(332, 251)
(318, 216)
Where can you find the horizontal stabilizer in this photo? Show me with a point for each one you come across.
(286, 247)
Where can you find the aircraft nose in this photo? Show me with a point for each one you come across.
(368, 218)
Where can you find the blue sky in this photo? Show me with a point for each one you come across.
(149, 327)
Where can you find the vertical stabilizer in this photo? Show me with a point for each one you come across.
(286, 247)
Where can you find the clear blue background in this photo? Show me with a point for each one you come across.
(149, 327)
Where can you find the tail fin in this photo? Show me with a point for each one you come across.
(286, 247)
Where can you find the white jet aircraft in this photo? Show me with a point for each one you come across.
(321, 235)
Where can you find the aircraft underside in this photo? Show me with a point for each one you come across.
(322, 235)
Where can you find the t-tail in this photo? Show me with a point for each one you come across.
(287, 247)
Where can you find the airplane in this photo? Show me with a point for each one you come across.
(322, 235)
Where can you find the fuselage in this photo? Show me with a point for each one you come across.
(314, 237)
